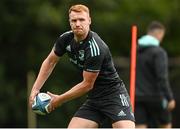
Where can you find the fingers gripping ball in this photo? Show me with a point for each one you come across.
(41, 103)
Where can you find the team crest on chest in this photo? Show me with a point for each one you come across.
(81, 55)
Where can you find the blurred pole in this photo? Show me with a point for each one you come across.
(31, 116)
(133, 66)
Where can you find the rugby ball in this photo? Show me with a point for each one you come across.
(41, 103)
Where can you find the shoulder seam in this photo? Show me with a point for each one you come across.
(67, 32)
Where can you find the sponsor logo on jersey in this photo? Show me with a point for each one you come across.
(73, 61)
(81, 55)
(76, 63)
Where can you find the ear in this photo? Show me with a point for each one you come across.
(89, 20)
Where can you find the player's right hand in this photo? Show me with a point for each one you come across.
(32, 96)
(55, 101)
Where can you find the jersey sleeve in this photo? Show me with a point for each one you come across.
(60, 46)
(94, 58)
(161, 63)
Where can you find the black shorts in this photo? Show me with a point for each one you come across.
(114, 107)
(152, 113)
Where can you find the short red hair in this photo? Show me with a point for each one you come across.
(79, 8)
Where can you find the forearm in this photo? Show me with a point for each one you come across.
(45, 70)
(75, 92)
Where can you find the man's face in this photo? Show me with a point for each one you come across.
(160, 34)
(79, 22)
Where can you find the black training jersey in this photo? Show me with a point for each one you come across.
(152, 74)
(91, 55)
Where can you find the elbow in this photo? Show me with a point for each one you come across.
(50, 62)
(88, 86)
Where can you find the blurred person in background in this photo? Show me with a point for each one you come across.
(107, 95)
(154, 97)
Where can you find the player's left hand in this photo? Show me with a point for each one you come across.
(54, 103)
(171, 105)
